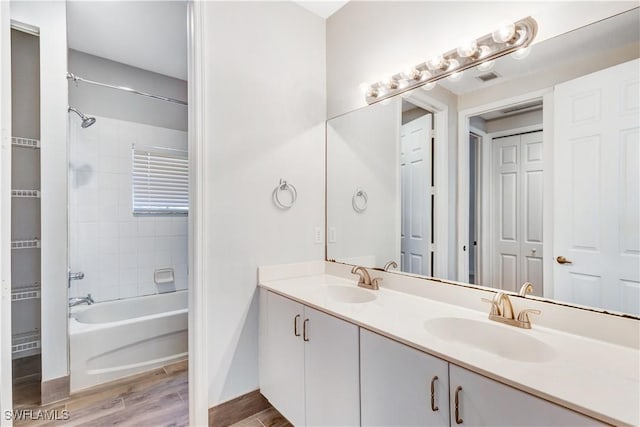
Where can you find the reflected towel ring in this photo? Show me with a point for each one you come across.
(359, 200)
(284, 186)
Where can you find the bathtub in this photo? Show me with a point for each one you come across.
(115, 339)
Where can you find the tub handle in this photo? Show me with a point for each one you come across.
(295, 325)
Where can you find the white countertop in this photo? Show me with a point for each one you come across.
(596, 378)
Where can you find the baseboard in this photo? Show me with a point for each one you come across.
(55, 390)
(237, 409)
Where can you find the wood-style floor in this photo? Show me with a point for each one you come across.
(155, 398)
(267, 418)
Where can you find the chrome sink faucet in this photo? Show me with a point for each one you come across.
(365, 280)
(81, 300)
(502, 311)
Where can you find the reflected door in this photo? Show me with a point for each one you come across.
(596, 199)
(517, 206)
(415, 162)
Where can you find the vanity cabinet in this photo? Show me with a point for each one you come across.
(308, 363)
(401, 386)
(484, 402)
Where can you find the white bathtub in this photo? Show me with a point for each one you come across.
(111, 340)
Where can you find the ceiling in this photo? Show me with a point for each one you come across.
(324, 9)
(151, 35)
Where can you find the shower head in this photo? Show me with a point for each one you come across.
(86, 120)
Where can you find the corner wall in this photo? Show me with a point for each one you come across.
(265, 106)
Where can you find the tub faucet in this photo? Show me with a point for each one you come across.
(81, 300)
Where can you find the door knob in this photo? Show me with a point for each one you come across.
(563, 260)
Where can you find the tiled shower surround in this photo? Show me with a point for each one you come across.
(117, 251)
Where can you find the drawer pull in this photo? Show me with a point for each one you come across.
(457, 405)
(295, 325)
(304, 330)
(434, 408)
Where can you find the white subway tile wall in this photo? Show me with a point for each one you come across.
(117, 251)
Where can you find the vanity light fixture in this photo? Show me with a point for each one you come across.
(514, 38)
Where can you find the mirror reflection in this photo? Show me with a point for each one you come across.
(524, 172)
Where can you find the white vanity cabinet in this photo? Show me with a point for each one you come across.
(484, 402)
(401, 386)
(308, 363)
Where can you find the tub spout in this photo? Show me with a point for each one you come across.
(81, 300)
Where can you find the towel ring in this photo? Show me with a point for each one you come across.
(284, 186)
(359, 200)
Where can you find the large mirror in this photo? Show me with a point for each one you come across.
(525, 172)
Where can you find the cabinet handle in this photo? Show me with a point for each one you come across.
(304, 330)
(457, 404)
(434, 408)
(295, 325)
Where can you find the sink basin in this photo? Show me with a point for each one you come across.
(348, 294)
(501, 340)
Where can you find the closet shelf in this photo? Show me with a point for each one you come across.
(26, 193)
(25, 342)
(16, 141)
(26, 293)
(25, 244)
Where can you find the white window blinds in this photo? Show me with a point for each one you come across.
(160, 181)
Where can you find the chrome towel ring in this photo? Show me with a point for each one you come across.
(278, 198)
(359, 200)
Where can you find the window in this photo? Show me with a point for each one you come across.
(160, 181)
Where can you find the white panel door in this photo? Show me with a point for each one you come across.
(331, 366)
(517, 205)
(484, 402)
(397, 384)
(282, 355)
(597, 186)
(415, 164)
(506, 208)
(532, 185)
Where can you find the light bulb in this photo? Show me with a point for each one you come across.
(425, 75)
(521, 53)
(410, 73)
(456, 76)
(436, 63)
(504, 33)
(390, 83)
(486, 65)
(365, 87)
(453, 64)
(429, 86)
(468, 49)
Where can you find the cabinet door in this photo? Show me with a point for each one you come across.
(484, 402)
(282, 355)
(331, 371)
(396, 384)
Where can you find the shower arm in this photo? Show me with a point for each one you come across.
(71, 76)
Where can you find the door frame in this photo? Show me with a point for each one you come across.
(197, 237)
(6, 398)
(484, 187)
(462, 227)
(440, 112)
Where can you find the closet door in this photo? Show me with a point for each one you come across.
(506, 212)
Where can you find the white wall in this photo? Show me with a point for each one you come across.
(5, 212)
(264, 104)
(363, 150)
(117, 251)
(50, 18)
